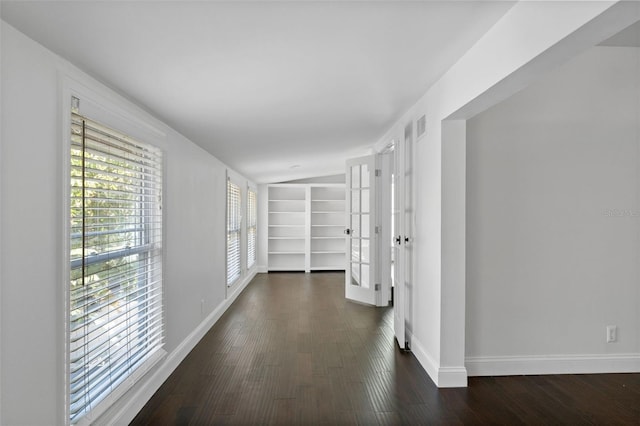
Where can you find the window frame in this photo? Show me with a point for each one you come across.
(112, 110)
(237, 233)
(252, 226)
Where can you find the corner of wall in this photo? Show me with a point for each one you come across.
(442, 377)
(452, 377)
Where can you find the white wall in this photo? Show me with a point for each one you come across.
(548, 265)
(340, 178)
(531, 39)
(31, 221)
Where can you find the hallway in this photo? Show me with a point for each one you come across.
(292, 350)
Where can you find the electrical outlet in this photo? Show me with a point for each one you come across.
(612, 333)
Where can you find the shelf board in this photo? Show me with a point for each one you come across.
(287, 252)
(329, 252)
(328, 226)
(324, 200)
(328, 212)
(287, 238)
(341, 237)
(286, 212)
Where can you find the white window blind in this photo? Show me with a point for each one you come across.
(233, 232)
(115, 293)
(251, 227)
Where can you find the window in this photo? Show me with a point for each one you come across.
(115, 288)
(251, 227)
(233, 232)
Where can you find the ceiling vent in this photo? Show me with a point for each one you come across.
(421, 126)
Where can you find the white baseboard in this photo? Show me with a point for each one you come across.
(130, 405)
(452, 377)
(442, 377)
(553, 364)
(262, 269)
(428, 363)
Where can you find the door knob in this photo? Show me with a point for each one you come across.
(347, 231)
(398, 239)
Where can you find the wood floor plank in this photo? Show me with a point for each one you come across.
(292, 350)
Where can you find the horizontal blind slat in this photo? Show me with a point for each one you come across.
(111, 282)
(96, 157)
(94, 348)
(110, 136)
(124, 171)
(108, 378)
(233, 232)
(82, 321)
(110, 255)
(115, 239)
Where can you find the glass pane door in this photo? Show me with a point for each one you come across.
(359, 283)
(403, 210)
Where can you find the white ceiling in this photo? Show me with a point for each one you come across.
(265, 86)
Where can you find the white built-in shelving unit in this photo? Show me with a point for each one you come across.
(327, 247)
(288, 223)
(306, 227)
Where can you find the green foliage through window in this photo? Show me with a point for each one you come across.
(115, 300)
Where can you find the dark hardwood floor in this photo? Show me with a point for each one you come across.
(291, 350)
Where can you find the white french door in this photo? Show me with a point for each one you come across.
(360, 276)
(402, 223)
(398, 270)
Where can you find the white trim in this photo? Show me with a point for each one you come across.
(132, 404)
(65, 92)
(112, 110)
(553, 364)
(237, 289)
(246, 267)
(442, 377)
(242, 263)
(307, 229)
(452, 377)
(428, 363)
(1, 257)
(122, 389)
(262, 269)
(227, 178)
(97, 102)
